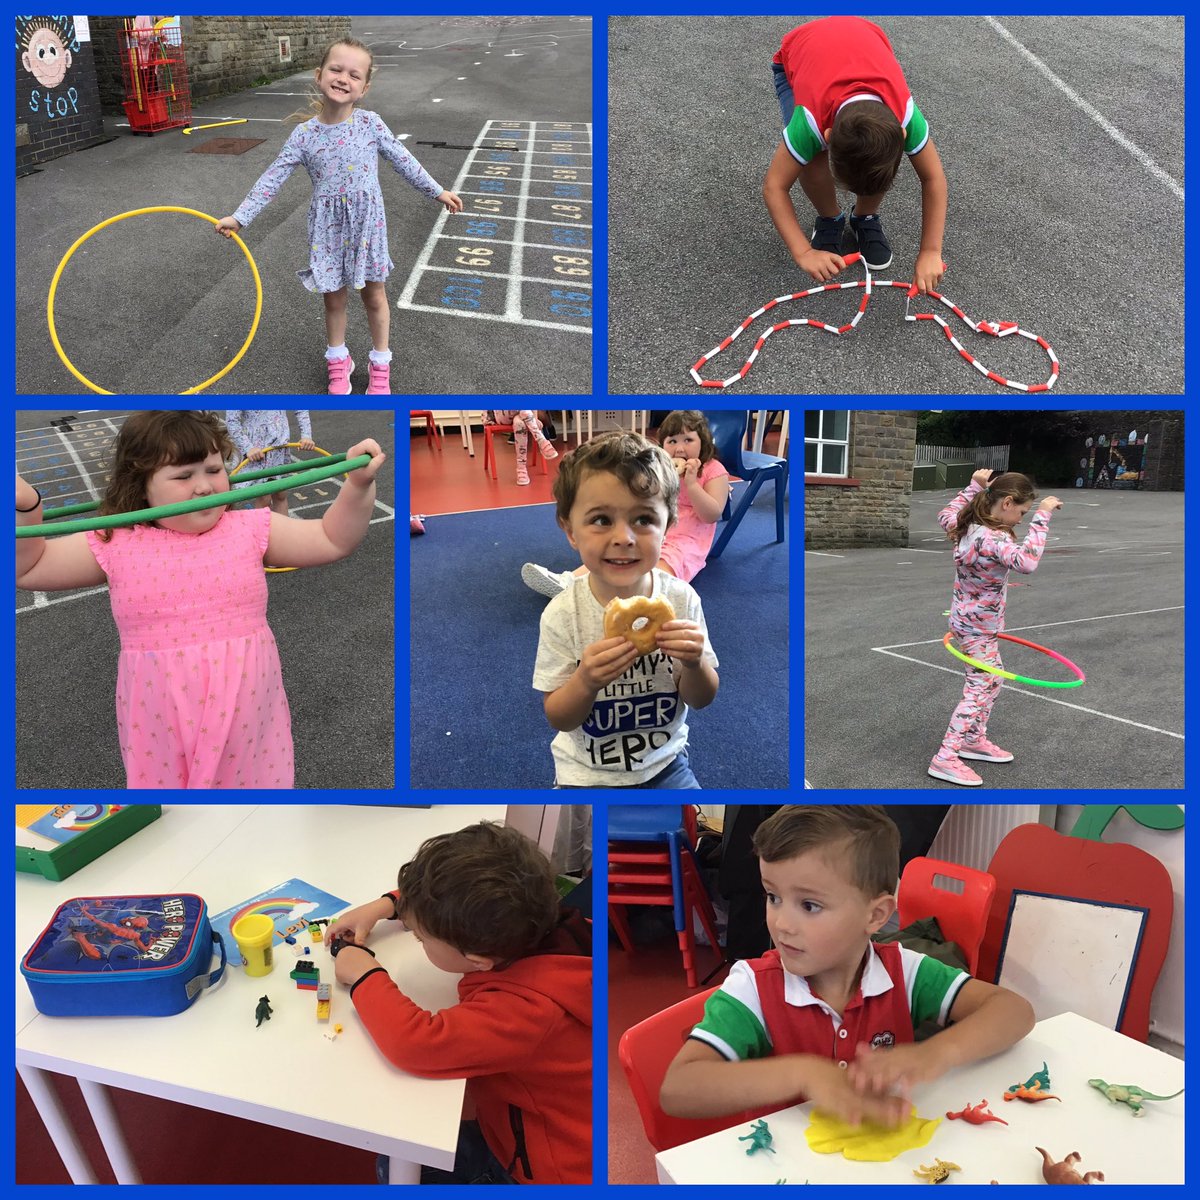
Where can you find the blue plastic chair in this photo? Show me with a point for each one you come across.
(728, 430)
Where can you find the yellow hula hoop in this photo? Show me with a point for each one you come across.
(137, 212)
(267, 450)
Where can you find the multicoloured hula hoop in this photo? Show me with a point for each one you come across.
(996, 329)
(137, 212)
(118, 520)
(296, 466)
(1008, 637)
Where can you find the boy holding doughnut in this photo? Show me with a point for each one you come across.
(617, 696)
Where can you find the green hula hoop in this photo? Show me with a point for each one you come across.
(118, 520)
(1078, 681)
(71, 510)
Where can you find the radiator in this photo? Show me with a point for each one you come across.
(971, 832)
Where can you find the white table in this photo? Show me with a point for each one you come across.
(1128, 1149)
(213, 1056)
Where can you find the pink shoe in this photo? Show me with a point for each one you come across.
(380, 379)
(522, 475)
(953, 770)
(339, 375)
(985, 751)
(415, 524)
(548, 451)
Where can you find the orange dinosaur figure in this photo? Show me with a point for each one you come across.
(1064, 1172)
(1032, 1094)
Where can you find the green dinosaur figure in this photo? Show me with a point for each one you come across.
(1129, 1093)
(1039, 1079)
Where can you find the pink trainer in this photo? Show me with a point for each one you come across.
(985, 751)
(339, 375)
(380, 379)
(953, 770)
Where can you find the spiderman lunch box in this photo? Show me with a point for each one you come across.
(123, 956)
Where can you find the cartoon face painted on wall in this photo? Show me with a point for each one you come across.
(44, 53)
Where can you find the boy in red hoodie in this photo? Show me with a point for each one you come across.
(483, 904)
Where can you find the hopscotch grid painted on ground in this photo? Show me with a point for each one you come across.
(504, 153)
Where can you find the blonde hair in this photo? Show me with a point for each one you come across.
(316, 102)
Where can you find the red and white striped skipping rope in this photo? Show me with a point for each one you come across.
(996, 329)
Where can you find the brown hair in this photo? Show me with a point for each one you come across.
(860, 837)
(484, 890)
(979, 512)
(866, 145)
(688, 420)
(640, 464)
(316, 102)
(152, 439)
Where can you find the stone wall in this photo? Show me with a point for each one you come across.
(875, 512)
(226, 54)
(58, 104)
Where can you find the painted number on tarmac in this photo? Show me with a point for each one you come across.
(521, 249)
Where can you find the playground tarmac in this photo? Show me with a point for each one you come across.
(160, 303)
(1108, 594)
(1052, 222)
(334, 626)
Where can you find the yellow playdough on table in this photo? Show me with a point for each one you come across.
(868, 1142)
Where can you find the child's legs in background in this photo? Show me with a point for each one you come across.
(379, 314)
(970, 719)
(335, 317)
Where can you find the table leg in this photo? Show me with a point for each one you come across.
(109, 1128)
(400, 1171)
(760, 429)
(58, 1126)
(783, 435)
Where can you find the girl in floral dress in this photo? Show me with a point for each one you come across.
(200, 701)
(254, 432)
(347, 228)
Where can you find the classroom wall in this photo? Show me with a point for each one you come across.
(1166, 1008)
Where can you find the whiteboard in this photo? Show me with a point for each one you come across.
(1069, 955)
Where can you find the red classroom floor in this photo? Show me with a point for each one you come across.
(450, 481)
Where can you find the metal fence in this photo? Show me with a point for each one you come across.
(993, 457)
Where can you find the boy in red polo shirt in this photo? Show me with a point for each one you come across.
(828, 1015)
(482, 902)
(849, 117)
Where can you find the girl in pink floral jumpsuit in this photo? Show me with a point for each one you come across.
(980, 521)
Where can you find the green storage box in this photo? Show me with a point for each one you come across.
(82, 849)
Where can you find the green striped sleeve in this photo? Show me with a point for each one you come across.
(932, 986)
(916, 130)
(733, 1022)
(802, 137)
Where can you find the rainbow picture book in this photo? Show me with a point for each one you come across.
(291, 905)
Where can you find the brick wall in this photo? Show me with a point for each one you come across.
(1164, 456)
(58, 106)
(226, 54)
(875, 512)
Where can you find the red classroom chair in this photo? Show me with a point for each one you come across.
(645, 1051)
(962, 916)
(489, 451)
(432, 437)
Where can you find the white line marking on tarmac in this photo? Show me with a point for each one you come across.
(509, 275)
(1141, 612)
(512, 296)
(482, 316)
(1076, 99)
(1006, 686)
(824, 554)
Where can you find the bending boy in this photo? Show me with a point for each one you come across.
(849, 119)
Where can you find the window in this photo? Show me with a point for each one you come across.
(826, 442)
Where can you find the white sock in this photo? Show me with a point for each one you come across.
(333, 353)
(381, 357)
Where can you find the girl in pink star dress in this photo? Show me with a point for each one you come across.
(200, 700)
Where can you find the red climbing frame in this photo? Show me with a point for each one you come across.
(154, 75)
